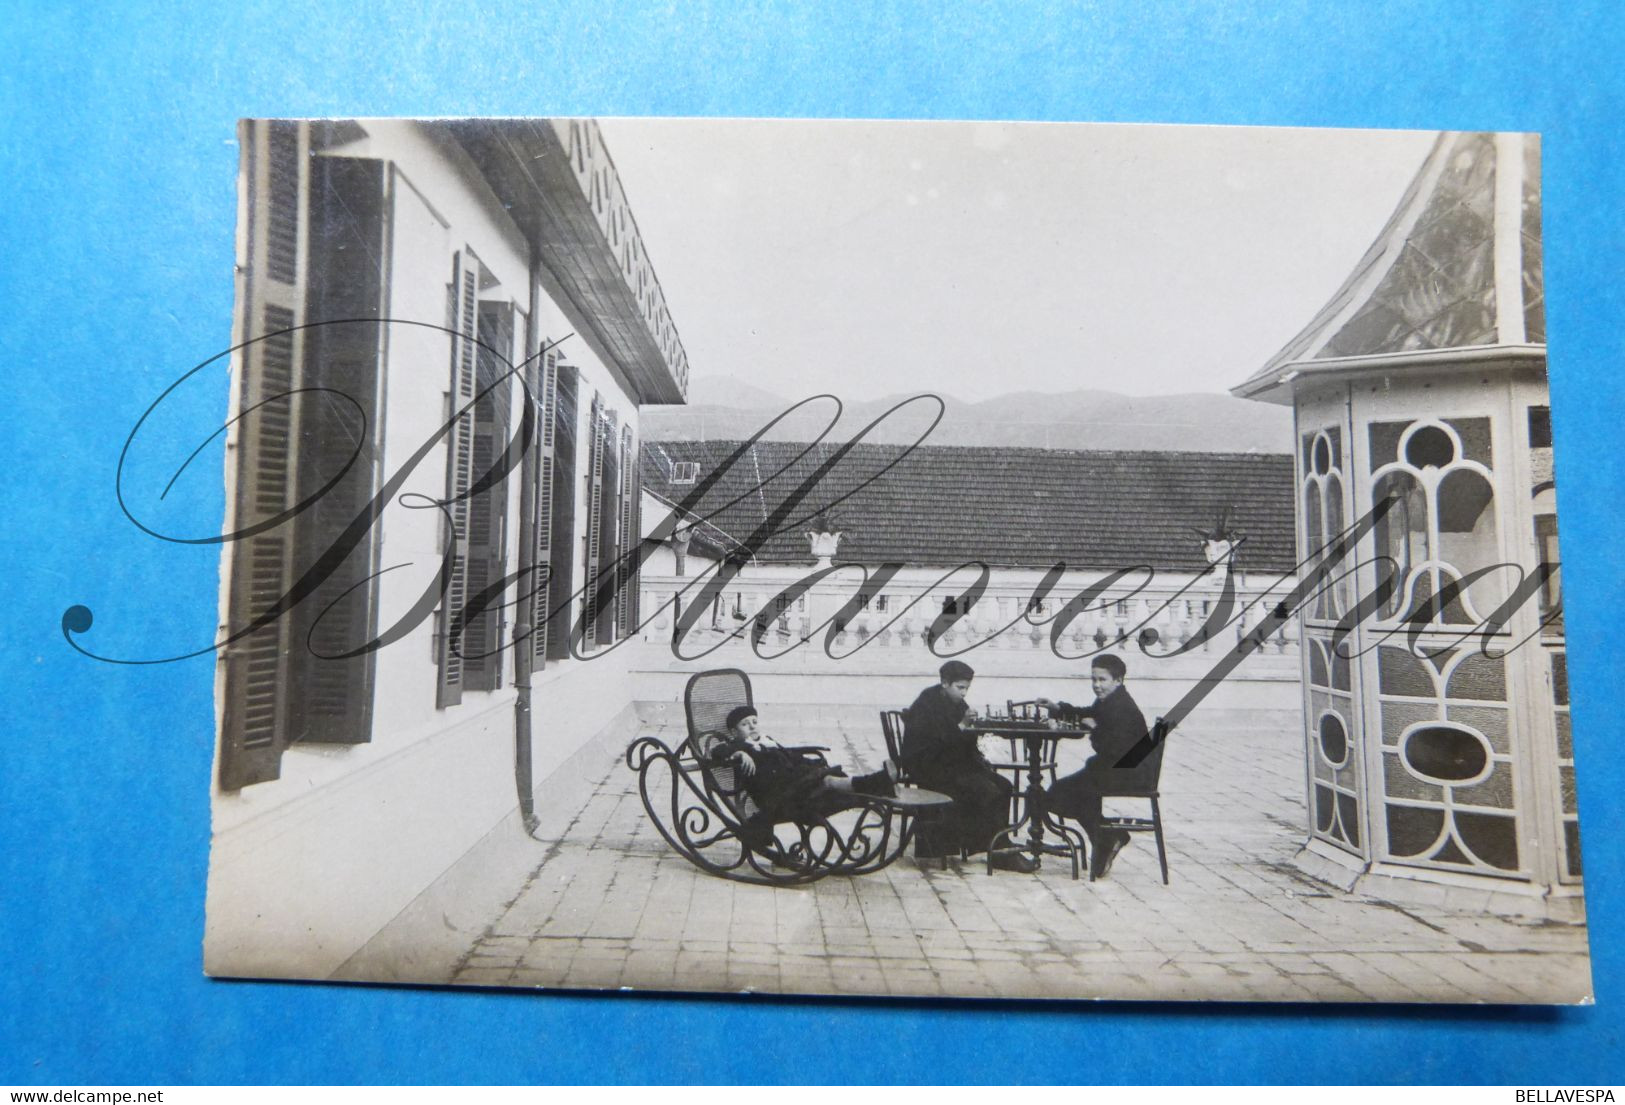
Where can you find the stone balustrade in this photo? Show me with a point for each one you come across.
(910, 612)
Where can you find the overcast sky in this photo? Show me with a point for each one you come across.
(974, 259)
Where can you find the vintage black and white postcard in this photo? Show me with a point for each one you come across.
(886, 558)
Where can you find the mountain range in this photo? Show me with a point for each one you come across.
(726, 408)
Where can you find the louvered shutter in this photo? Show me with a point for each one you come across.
(255, 726)
(627, 547)
(561, 547)
(542, 538)
(636, 584)
(487, 511)
(464, 313)
(332, 700)
(609, 530)
(595, 514)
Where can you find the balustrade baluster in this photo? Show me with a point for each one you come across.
(978, 624)
(999, 611)
(917, 621)
(753, 609)
(861, 625)
(883, 626)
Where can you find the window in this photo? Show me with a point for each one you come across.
(1401, 535)
(1323, 515)
(631, 534)
(1540, 427)
(462, 312)
(685, 471)
(311, 221)
(1443, 523)
(561, 585)
(609, 520)
(485, 633)
(544, 552)
(1544, 490)
(599, 516)
(1551, 592)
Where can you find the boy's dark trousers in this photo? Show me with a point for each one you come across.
(981, 809)
(1078, 796)
(1119, 726)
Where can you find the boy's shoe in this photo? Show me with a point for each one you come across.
(1101, 862)
(1014, 861)
(876, 784)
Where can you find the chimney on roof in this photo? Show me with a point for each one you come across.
(680, 539)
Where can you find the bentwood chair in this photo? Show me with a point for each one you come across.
(705, 813)
(707, 700)
(892, 726)
(1144, 781)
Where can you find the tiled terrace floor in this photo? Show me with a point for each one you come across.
(609, 905)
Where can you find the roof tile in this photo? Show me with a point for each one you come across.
(1004, 507)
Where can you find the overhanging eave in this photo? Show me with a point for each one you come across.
(592, 258)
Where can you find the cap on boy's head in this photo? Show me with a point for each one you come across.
(740, 713)
(1111, 665)
(956, 671)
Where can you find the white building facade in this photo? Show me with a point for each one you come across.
(415, 626)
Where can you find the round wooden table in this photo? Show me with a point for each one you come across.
(1035, 819)
(917, 804)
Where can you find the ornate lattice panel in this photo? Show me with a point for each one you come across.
(1570, 868)
(1450, 784)
(1323, 516)
(1334, 746)
(1442, 525)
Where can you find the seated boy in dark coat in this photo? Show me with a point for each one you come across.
(939, 753)
(1116, 725)
(789, 784)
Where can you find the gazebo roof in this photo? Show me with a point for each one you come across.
(1454, 275)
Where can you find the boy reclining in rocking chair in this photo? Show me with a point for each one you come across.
(789, 783)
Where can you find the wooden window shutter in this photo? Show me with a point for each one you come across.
(609, 530)
(561, 546)
(464, 303)
(637, 536)
(595, 513)
(488, 510)
(626, 555)
(332, 703)
(542, 538)
(256, 725)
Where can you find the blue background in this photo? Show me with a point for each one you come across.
(118, 159)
